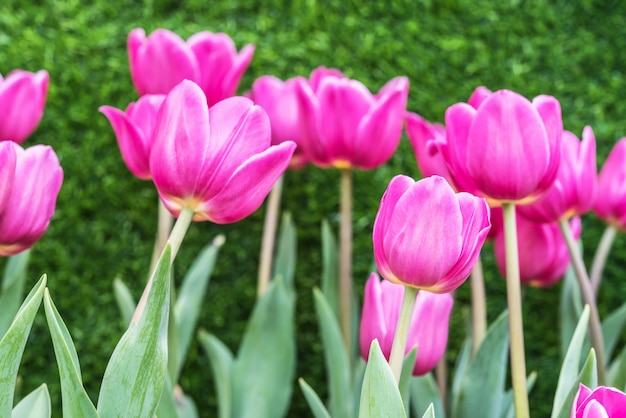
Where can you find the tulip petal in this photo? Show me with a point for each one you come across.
(459, 118)
(420, 132)
(22, 102)
(7, 172)
(375, 322)
(549, 109)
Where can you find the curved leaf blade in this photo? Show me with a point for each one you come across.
(221, 360)
(315, 403)
(35, 404)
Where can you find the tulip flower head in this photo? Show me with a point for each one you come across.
(426, 235)
(22, 101)
(421, 133)
(162, 60)
(217, 161)
(507, 149)
(573, 190)
(28, 206)
(429, 323)
(133, 130)
(346, 126)
(600, 402)
(610, 202)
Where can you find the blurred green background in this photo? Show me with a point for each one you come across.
(105, 220)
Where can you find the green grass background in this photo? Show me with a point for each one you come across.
(105, 219)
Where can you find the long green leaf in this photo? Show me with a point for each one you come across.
(487, 367)
(430, 412)
(569, 368)
(35, 404)
(12, 290)
(617, 372)
(315, 403)
(405, 379)
(285, 263)
(336, 359)
(221, 360)
(125, 301)
(380, 396)
(76, 402)
(460, 367)
(612, 327)
(588, 376)
(13, 343)
(190, 297)
(330, 268)
(424, 392)
(134, 378)
(570, 309)
(265, 364)
(167, 404)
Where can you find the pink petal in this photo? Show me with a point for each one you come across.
(420, 132)
(459, 118)
(7, 172)
(374, 322)
(549, 109)
(22, 102)
(309, 108)
(478, 96)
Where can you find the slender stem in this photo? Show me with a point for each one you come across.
(514, 301)
(599, 259)
(595, 327)
(164, 226)
(479, 308)
(345, 259)
(269, 237)
(402, 331)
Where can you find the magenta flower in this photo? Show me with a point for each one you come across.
(573, 191)
(162, 60)
(28, 206)
(22, 101)
(610, 202)
(133, 130)
(507, 149)
(543, 253)
(278, 98)
(217, 161)
(346, 126)
(429, 323)
(426, 236)
(601, 402)
(421, 133)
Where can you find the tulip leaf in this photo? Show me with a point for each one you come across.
(588, 376)
(460, 367)
(12, 290)
(76, 402)
(569, 368)
(285, 263)
(134, 378)
(571, 308)
(508, 409)
(265, 364)
(125, 301)
(380, 396)
(405, 378)
(486, 367)
(611, 331)
(35, 404)
(330, 268)
(12, 345)
(315, 403)
(424, 392)
(430, 412)
(190, 298)
(616, 373)
(221, 360)
(167, 404)
(336, 359)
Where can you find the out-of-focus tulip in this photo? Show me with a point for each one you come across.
(346, 126)
(601, 402)
(22, 101)
(426, 236)
(543, 253)
(7, 172)
(31, 201)
(610, 202)
(217, 161)
(573, 191)
(133, 130)
(420, 133)
(507, 149)
(278, 99)
(429, 323)
(162, 60)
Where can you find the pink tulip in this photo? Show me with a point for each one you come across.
(573, 190)
(429, 324)
(610, 202)
(543, 253)
(217, 161)
(22, 101)
(30, 204)
(7, 172)
(133, 130)
(346, 126)
(601, 402)
(426, 236)
(507, 149)
(162, 60)
(278, 98)
(421, 132)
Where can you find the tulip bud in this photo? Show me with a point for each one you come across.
(22, 101)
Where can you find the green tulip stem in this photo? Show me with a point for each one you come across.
(269, 237)
(345, 259)
(398, 347)
(600, 257)
(164, 228)
(479, 306)
(514, 301)
(595, 327)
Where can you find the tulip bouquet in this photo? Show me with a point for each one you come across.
(502, 169)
